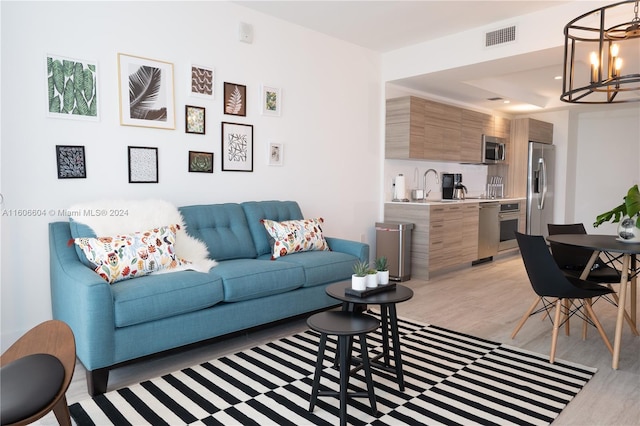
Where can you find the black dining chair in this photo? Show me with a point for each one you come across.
(572, 259)
(569, 295)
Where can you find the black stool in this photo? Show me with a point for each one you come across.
(345, 325)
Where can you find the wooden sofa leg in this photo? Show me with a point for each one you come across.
(97, 381)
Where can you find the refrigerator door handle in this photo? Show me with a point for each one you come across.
(543, 166)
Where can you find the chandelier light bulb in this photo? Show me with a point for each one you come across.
(615, 50)
(617, 66)
(594, 67)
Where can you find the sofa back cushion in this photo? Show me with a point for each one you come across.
(223, 228)
(279, 211)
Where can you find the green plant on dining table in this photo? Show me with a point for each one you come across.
(630, 207)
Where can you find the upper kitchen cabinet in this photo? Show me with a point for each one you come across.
(421, 129)
(501, 127)
(442, 130)
(405, 137)
(540, 131)
(474, 125)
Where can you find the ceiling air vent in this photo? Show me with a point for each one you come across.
(501, 36)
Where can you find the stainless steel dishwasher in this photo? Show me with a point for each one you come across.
(488, 231)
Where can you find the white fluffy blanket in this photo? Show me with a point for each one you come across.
(112, 217)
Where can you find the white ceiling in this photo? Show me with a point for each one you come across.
(527, 81)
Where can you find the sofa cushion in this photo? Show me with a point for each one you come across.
(79, 230)
(279, 211)
(126, 256)
(222, 227)
(155, 297)
(245, 279)
(293, 236)
(321, 267)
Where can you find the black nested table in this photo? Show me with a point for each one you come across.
(387, 301)
(629, 272)
(345, 325)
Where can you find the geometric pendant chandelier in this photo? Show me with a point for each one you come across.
(602, 56)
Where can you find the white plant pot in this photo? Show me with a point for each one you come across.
(358, 283)
(628, 232)
(383, 277)
(372, 280)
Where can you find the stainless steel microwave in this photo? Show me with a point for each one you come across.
(493, 149)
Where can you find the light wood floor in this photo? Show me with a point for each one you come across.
(486, 301)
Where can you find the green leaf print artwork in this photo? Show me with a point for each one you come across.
(72, 88)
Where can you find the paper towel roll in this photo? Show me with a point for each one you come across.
(400, 192)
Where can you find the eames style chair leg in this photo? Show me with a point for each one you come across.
(594, 318)
(556, 330)
(526, 316)
(563, 309)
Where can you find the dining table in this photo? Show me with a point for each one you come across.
(613, 249)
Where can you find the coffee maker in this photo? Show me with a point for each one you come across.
(449, 182)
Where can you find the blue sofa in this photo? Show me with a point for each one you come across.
(114, 324)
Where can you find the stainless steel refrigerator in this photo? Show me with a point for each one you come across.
(540, 187)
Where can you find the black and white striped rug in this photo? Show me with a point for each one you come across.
(450, 378)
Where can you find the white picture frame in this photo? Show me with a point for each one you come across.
(271, 101)
(72, 88)
(158, 111)
(275, 154)
(202, 81)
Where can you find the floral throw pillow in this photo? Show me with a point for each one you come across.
(121, 257)
(295, 235)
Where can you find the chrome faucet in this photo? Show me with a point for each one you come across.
(424, 182)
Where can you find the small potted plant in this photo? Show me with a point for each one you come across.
(359, 277)
(627, 215)
(372, 278)
(383, 270)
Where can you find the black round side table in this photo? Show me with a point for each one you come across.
(387, 301)
(345, 325)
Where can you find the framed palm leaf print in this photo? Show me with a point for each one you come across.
(235, 99)
(146, 92)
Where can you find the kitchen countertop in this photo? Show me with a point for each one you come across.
(447, 202)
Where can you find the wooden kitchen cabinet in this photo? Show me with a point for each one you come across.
(421, 129)
(540, 131)
(443, 236)
(442, 130)
(470, 229)
(405, 131)
(502, 127)
(524, 130)
(474, 125)
(453, 235)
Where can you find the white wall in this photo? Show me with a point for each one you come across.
(607, 163)
(331, 121)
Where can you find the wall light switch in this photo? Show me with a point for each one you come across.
(245, 34)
